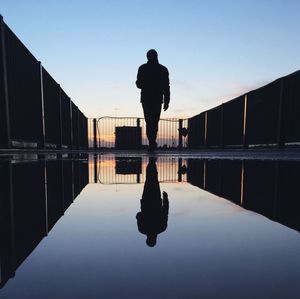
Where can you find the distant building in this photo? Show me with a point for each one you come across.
(128, 137)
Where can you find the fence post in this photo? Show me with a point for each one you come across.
(95, 168)
(86, 133)
(222, 127)
(179, 170)
(138, 125)
(78, 129)
(205, 130)
(80, 124)
(71, 146)
(60, 120)
(245, 142)
(4, 119)
(242, 183)
(180, 126)
(95, 133)
(76, 142)
(280, 141)
(42, 139)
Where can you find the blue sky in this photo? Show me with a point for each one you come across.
(214, 50)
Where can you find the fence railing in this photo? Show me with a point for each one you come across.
(265, 116)
(34, 110)
(110, 169)
(130, 133)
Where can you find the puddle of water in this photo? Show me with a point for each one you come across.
(130, 227)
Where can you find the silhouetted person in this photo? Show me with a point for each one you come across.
(153, 218)
(153, 80)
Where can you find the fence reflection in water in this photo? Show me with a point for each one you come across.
(109, 169)
(32, 204)
(265, 187)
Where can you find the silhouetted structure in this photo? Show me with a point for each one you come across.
(33, 197)
(128, 137)
(266, 116)
(153, 80)
(153, 218)
(34, 110)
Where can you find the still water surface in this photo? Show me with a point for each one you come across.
(138, 227)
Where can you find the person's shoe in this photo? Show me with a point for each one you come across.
(152, 146)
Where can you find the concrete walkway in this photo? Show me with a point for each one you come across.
(253, 154)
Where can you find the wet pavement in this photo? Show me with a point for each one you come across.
(160, 226)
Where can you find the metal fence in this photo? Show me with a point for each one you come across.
(111, 169)
(34, 110)
(265, 116)
(104, 132)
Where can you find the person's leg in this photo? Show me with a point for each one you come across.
(147, 116)
(152, 115)
(156, 110)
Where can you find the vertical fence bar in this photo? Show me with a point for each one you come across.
(79, 125)
(222, 127)
(42, 139)
(180, 134)
(205, 129)
(242, 183)
(280, 141)
(85, 132)
(71, 124)
(95, 168)
(95, 133)
(138, 135)
(245, 142)
(4, 120)
(60, 121)
(46, 198)
(179, 172)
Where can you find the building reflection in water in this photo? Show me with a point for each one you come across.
(33, 196)
(153, 217)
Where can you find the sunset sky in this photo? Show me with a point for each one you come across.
(214, 50)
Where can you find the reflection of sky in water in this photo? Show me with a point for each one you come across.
(212, 248)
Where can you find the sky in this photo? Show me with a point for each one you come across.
(214, 50)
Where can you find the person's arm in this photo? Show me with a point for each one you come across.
(139, 81)
(165, 203)
(166, 90)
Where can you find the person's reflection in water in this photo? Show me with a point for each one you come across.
(153, 218)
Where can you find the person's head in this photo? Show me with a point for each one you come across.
(151, 240)
(152, 55)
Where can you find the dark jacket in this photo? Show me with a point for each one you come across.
(153, 80)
